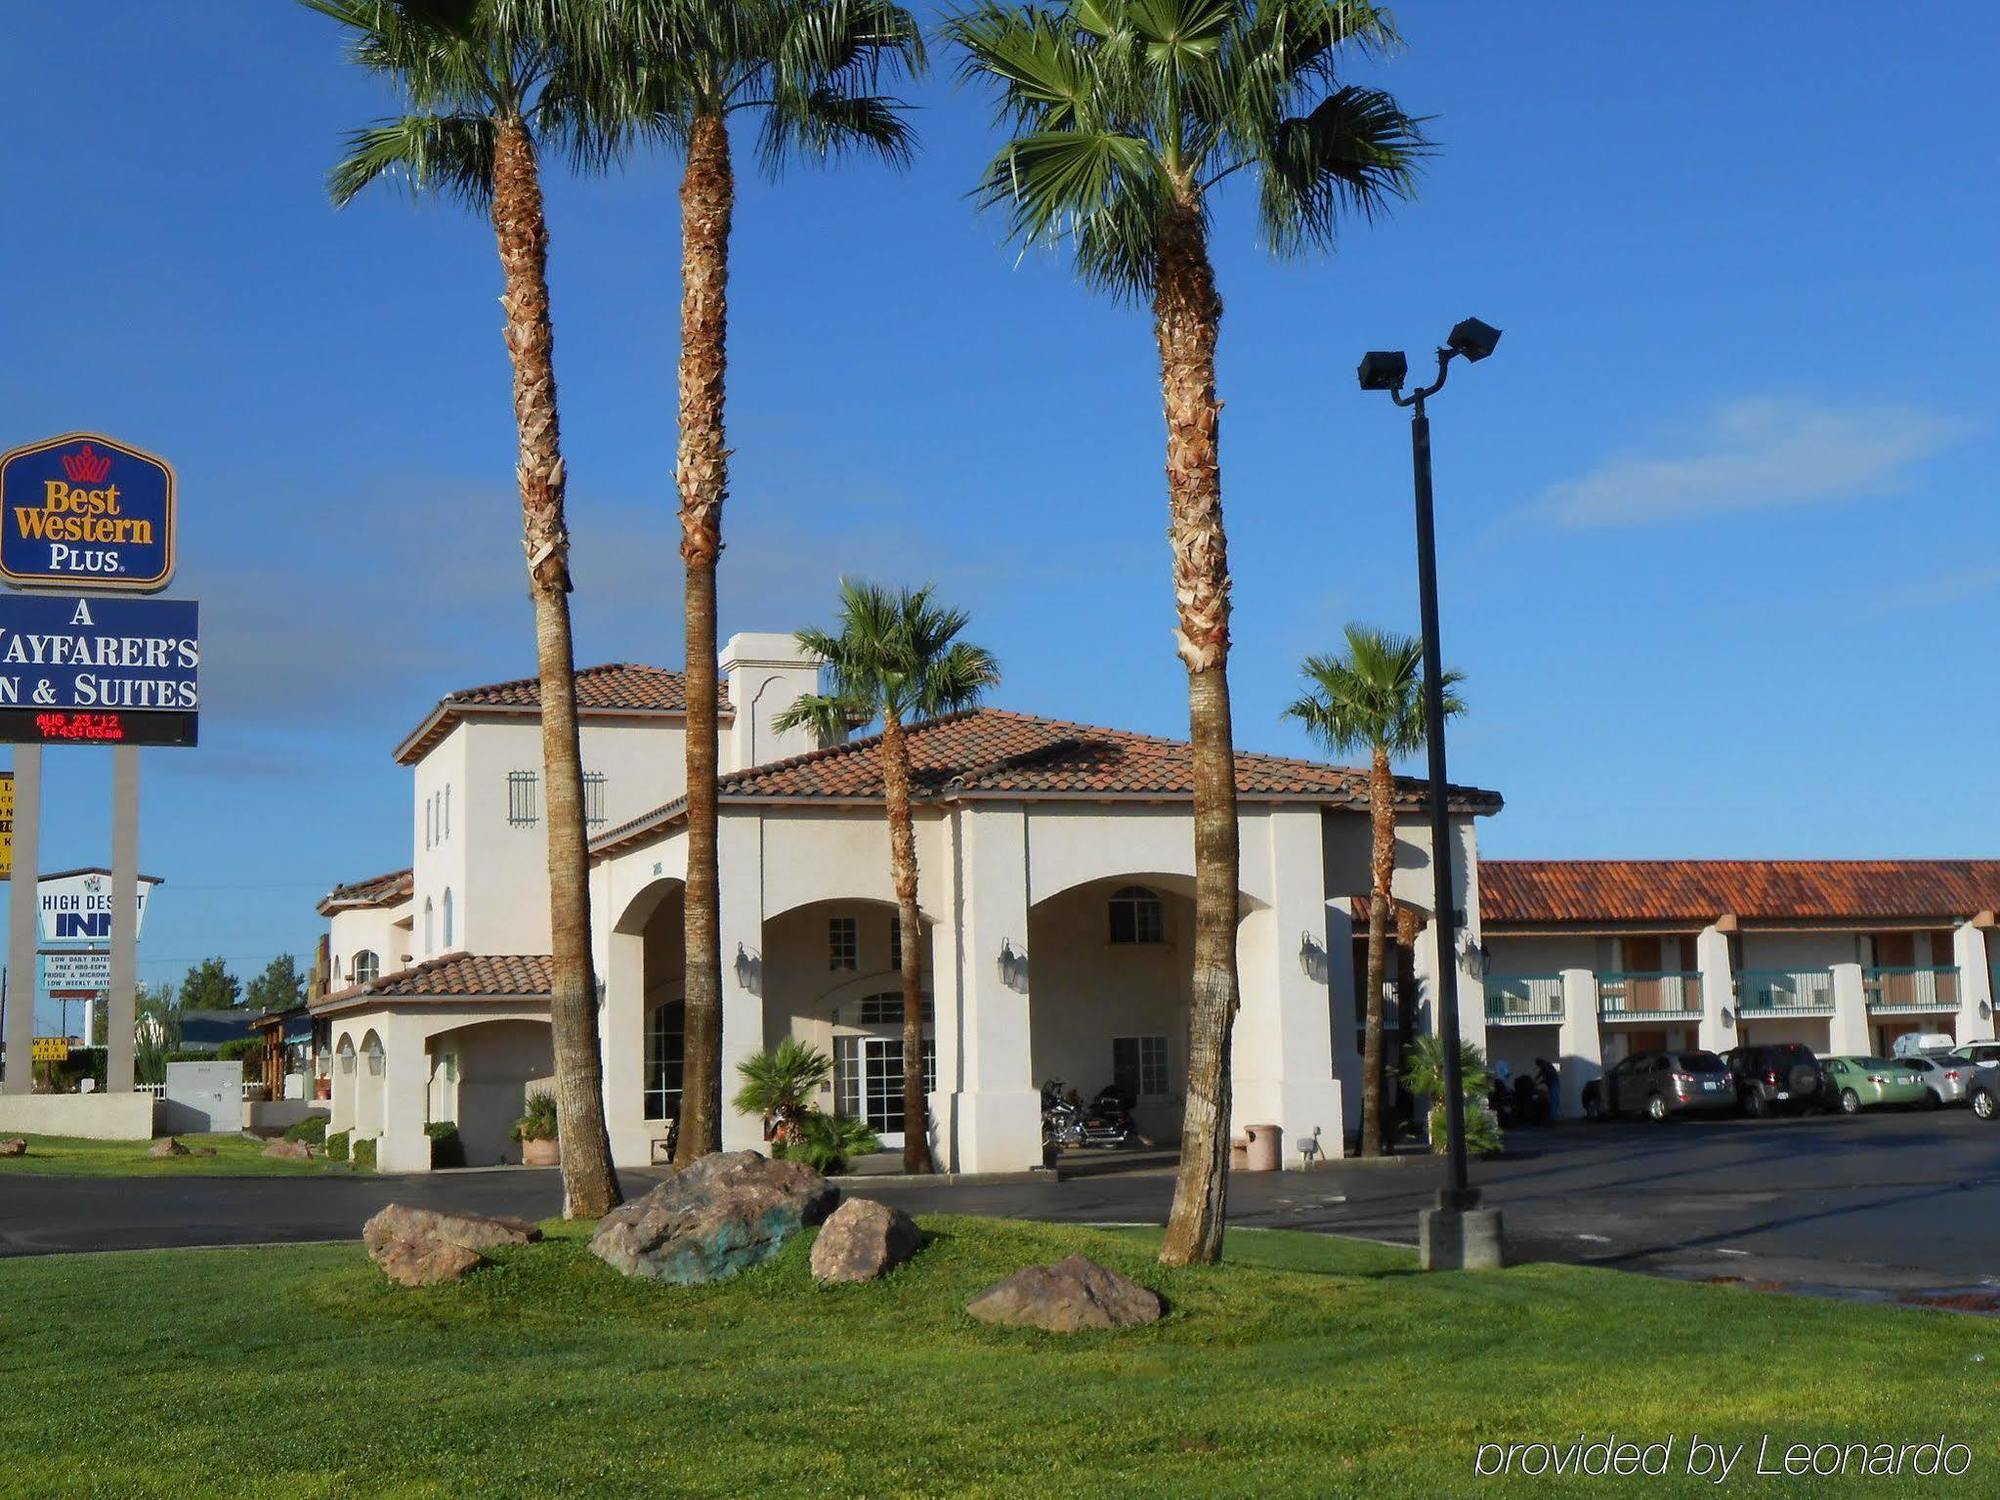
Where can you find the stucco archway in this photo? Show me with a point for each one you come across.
(479, 1079)
(370, 1063)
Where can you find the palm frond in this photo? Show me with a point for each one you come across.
(447, 155)
(1371, 697)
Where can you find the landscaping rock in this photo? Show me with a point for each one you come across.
(168, 1147)
(290, 1150)
(1073, 1293)
(422, 1246)
(16, 1147)
(721, 1215)
(863, 1239)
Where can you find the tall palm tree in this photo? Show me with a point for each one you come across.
(487, 85)
(1372, 699)
(677, 71)
(897, 658)
(1125, 116)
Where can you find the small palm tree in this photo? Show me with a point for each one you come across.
(897, 658)
(678, 71)
(488, 84)
(1371, 699)
(1426, 1076)
(1126, 116)
(779, 1085)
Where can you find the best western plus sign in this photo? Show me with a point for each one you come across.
(86, 511)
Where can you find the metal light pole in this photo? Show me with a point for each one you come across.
(1387, 371)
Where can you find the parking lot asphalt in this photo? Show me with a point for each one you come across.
(1881, 1204)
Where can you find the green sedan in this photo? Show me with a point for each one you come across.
(1852, 1084)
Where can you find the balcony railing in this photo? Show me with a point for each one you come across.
(1525, 999)
(1649, 994)
(1785, 991)
(1892, 988)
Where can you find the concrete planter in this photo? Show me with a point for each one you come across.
(541, 1153)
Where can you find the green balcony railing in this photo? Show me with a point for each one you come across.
(1784, 991)
(1524, 999)
(1892, 988)
(1643, 994)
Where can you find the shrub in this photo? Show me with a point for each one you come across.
(827, 1142)
(779, 1084)
(311, 1130)
(538, 1120)
(1426, 1076)
(336, 1145)
(363, 1152)
(447, 1150)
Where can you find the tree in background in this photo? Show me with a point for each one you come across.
(281, 986)
(1372, 699)
(898, 659)
(677, 70)
(210, 986)
(488, 84)
(1126, 115)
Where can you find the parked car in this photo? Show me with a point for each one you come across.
(1777, 1077)
(1982, 1091)
(1983, 1054)
(1946, 1075)
(1852, 1084)
(1659, 1085)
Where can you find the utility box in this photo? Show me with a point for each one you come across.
(202, 1097)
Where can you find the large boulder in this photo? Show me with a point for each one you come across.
(289, 1150)
(862, 1240)
(167, 1147)
(1073, 1293)
(14, 1147)
(423, 1246)
(714, 1218)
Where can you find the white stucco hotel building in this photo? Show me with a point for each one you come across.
(1056, 888)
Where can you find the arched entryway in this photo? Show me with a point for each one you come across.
(645, 1020)
(480, 1077)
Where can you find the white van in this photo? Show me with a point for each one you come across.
(1922, 1044)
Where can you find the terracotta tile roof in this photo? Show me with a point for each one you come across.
(453, 976)
(614, 688)
(1700, 890)
(376, 890)
(993, 752)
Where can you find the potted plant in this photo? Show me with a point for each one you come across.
(536, 1131)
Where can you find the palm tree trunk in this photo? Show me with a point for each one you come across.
(707, 197)
(1187, 316)
(1382, 823)
(903, 877)
(590, 1184)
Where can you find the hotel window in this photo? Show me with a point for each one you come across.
(896, 942)
(430, 822)
(593, 798)
(666, 1048)
(430, 932)
(1136, 916)
(447, 919)
(841, 943)
(367, 967)
(886, 1009)
(1139, 1066)
(522, 787)
(444, 827)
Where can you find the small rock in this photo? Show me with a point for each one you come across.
(863, 1239)
(422, 1246)
(289, 1150)
(1073, 1293)
(15, 1147)
(169, 1147)
(716, 1217)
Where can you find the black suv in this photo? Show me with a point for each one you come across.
(1775, 1078)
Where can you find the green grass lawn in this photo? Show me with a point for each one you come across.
(1305, 1366)
(68, 1156)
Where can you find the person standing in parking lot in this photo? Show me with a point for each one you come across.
(1552, 1080)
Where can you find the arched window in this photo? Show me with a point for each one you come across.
(346, 1054)
(1136, 917)
(430, 929)
(447, 919)
(371, 1048)
(333, 979)
(367, 966)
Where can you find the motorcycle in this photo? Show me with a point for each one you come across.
(1062, 1117)
(1108, 1121)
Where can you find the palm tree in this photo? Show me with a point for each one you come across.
(1125, 116)
(897, 658)
(1372, 699)
(487, 85)
(779, 1085)
(677, 70)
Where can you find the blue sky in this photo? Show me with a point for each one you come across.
(1717, 539)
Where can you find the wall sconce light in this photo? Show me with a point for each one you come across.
(1312, 958)
(749, 970)
(1013, 967)
(1985, 1010)
(1728, 1019)
(1476, 957)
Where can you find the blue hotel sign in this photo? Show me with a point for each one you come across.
(104, 671)
(86, 512)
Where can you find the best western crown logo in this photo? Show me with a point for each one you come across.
(64, 523)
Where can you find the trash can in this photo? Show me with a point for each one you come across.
(1267, 1148)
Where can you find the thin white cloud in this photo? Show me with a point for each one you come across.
(1755, 454)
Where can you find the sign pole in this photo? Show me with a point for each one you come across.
(21, 918)
(120, 1005)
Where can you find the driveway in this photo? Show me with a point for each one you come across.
(1881, 1203)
